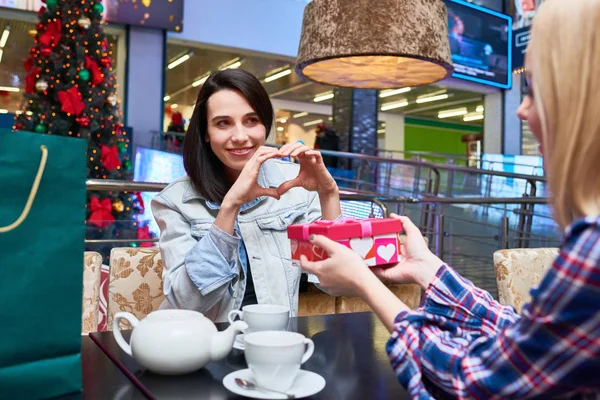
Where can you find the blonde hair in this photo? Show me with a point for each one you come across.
(563, 58)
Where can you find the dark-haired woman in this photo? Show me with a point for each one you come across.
(223, 227)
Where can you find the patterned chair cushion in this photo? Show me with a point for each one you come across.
(92, 263)
(135, 284)
(519, 270)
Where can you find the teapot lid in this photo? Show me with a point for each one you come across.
(175, 315)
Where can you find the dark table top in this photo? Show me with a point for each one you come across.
(349, 353)
(101, 377)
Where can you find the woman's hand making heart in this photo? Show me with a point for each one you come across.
(246, 187)
(313, 175)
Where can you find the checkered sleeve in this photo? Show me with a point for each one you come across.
(552, 350)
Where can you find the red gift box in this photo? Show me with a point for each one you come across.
(374, 239)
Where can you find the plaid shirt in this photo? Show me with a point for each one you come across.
(472, 347)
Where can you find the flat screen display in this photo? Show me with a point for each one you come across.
(480, 43)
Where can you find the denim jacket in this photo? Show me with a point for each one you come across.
(204, 267)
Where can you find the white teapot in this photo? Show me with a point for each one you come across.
(173, 342)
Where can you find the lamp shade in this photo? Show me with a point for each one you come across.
(374, 44)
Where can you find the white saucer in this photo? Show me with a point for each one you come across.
(239, 342)
(306, 384)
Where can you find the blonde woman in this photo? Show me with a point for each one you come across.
(460, 339)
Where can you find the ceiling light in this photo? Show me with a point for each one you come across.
(200, 81)
(1, 53)
(315, 122)
(323, 97)
(381, 131)
(393, 92)
(167, 98)
(174, 106)
(427, 99)
(3, 111)
(233, 64)
(29, 113)
(179, 61)
(18, 112)
(452, 113)
(280, 129)
(278, 75)
(394, 105)
(330, 118)
(473, 117)
(9, 89)
(300, 115)
(282, 120)
(479, 109)
(367, 58)
(4, 37)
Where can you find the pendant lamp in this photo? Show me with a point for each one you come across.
(374, 44)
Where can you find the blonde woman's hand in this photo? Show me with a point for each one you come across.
(418, 264)
(343, 273)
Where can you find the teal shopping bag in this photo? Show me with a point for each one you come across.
(42, 225)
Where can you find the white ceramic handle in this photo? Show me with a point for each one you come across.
(233, 313)
(117, 332)
(310, 349)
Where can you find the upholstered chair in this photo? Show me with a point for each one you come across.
(92, 263)
(135, 284)
(518, 271)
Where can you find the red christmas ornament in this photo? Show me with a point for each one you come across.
(46, 51)
(101, 215)
(83, 121)
(144, 233)
(71, 101)
(18, 126)
(106, 61)
(110, 157)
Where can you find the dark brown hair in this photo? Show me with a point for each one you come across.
(206, 171)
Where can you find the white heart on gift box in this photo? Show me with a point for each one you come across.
(319, 252)
(386, 252)
(362, 246)
(294, 245)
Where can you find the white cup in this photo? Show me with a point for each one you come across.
(275, 357)
(262, 317)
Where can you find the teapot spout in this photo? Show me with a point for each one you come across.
(222, 342)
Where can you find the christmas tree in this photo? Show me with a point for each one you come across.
(71, 91)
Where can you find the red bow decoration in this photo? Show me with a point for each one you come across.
(52, 34)
(71, 101)
(140, 200)
(83, 121)
(92, 66)
(101, 215)
(31, 79)
(144, 233)
(110, 157)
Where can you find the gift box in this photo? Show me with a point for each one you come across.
(374, 239)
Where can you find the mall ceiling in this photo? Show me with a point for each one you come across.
(201, 61)
(179, 85)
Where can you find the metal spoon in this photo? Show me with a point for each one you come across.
(251, 386)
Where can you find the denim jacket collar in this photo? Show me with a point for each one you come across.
(269, 176)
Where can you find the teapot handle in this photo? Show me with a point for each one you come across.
(117, 332)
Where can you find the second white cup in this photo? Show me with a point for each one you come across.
(262, 317)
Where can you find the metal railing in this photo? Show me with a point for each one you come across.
(466, 240)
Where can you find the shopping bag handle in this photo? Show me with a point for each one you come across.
(32, 194)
